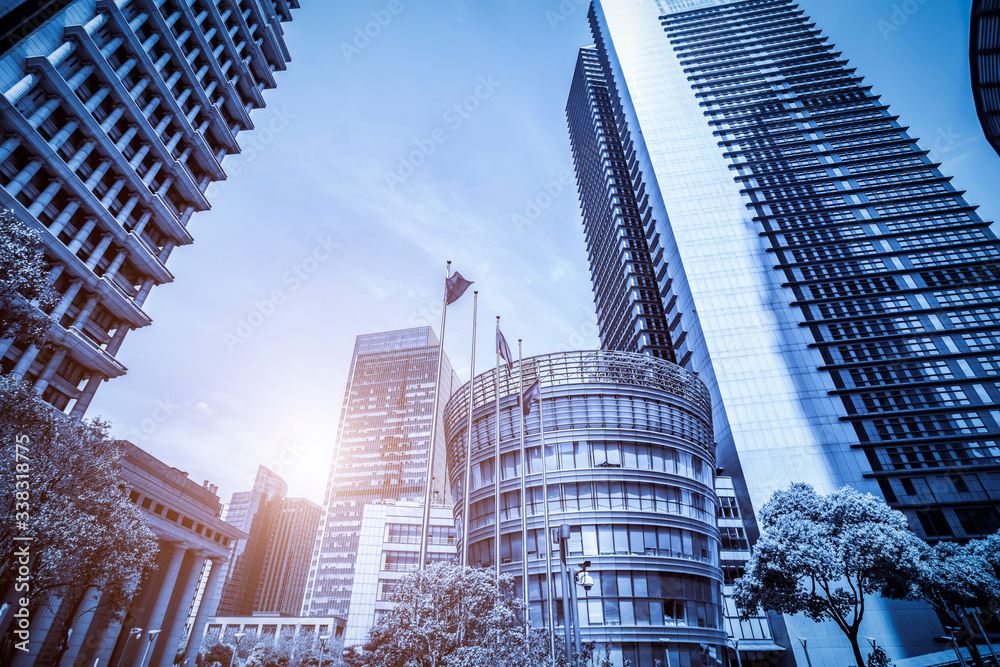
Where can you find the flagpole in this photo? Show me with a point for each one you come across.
(428, 490)
(496, 464)
(548, 536)
(468, 450)
(524, 472)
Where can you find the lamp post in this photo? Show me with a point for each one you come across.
(150, 638)
(137, 632)
(736, 646)
(236, 646)
(803, 642)
(322, 650)
(951, 629)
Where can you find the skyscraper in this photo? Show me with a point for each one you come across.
(114, 119)
(255, 513)
(833, 290)
(382, 451)
(268, 570)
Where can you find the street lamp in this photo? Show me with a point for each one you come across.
(322, 651)
(736, 646)
(236, 646)
(954, 642)
(802, 641)
(137, 632)
(150, 638)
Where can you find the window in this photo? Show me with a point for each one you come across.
(978, 520)
(934, 523)
(728, 509)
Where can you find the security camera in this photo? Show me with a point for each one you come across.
(586, 581)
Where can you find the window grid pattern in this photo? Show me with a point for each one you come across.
(818, 154)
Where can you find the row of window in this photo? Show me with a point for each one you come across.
(591, 496)
(581, 455)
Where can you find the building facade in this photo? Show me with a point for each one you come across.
(629, 465)
(834, 291)
(298, 634)
(193, 542)
(289, 549)
(267, 572)
(388, 550)
(114, 119)
(383, 443)
(984, 63)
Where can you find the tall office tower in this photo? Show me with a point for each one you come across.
(255, 512)
(286, 566)
(114, 119)
(382, 451)
(831, 287)
(624, 262)
(984, 63)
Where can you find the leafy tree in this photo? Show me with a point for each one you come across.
(24, 277)
(878, 658)
(84, 530)
(822, 555)
(956, 578)
(216, 654)
(450, 616)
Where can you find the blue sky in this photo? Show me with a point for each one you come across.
(376, 161)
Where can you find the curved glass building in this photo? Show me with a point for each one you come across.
(629, 462)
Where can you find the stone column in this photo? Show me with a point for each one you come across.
(66, 300)
(163, 594)
(50, 369)
(80, 321)
(81, 625)
(174, 631)
(23, 177)
(98, 252)
(24, 363)
(44, 197)
(57, 225)
(81, 235)
(87, 395)
(208, 606)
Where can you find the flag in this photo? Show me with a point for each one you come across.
(529, 397)
(504, 350)
(455, 287)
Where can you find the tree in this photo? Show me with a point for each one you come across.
(822, 555)
(956, 579)
(84, 530)
(24, 278)
(216, 654)
(453, 616)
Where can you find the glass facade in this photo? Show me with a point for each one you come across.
(382, 452)
(114, 120)
(629, 465)
(832, 289)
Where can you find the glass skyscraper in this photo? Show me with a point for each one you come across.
(382, 451)
(832, 288)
